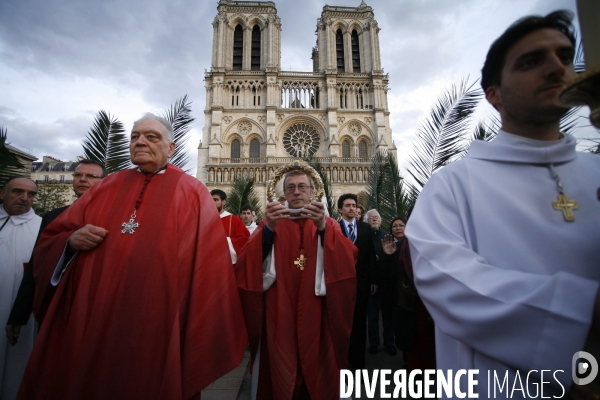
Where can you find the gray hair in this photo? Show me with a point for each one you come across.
(373, 211)
(163, 121)
(295, 172)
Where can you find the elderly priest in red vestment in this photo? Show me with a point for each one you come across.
(298, 287)
(146, 305)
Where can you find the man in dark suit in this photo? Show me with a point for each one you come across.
(86, 174)
(366, 275)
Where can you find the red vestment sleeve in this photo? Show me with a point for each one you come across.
(155, 314)
(237, 232)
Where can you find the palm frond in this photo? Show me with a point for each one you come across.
(386, 190)
(327, 189)
(487, 130)
(106, 143)
(10, 166)
(442, 137)
(570, 121)
(180, 117)
(242, 193)
(579, 60)
(376, 181)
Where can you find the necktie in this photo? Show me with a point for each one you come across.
(351, 234)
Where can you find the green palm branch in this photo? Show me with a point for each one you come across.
(386, 190)
(443, 137)
(327, 190)
(242, 193)
(180, 117)
(9, 163)
(106, 143)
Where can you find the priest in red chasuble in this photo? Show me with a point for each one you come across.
(298, 287)
(235, 230)
(146, 304)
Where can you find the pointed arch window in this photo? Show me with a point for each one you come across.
(255, 52)
(235, 149)
(238, 47)
(362, 149)
(254, 149)
(346, 149)
(355, 52)
(339, 50)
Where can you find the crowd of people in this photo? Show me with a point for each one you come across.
(146, 287)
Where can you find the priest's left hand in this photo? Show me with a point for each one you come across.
(316, 212)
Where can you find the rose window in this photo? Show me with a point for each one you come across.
(301, 140)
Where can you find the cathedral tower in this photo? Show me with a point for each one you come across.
(259, 117)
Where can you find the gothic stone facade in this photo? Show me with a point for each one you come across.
(258, 117)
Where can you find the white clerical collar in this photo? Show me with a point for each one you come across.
(17, 219)
(251, 224)
(160, 171)
(225, 214)
(507, 147)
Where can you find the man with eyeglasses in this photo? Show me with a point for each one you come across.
(18, 227)
(379, 300)
(298, 286)
(87, 173)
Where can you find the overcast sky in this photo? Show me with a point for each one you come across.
(62, 61)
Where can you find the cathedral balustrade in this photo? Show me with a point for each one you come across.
(286, 160)
(245, 72)
(350, 170)
(301, 73)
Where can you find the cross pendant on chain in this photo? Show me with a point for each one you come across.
(566, 206)
(300, 262)
(129, 227)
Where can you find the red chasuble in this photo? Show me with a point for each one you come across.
(152, 315)
(236, 230)
(305, 338)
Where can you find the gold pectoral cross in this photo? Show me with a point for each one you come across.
(300, 262)
(566, 206)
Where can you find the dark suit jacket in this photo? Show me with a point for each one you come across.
(366, 264)
(23, 305)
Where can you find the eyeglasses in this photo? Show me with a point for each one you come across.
(398, 226)
(374, 218)
(79, 175)
(292, 188)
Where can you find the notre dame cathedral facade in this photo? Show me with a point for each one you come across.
(259, 117)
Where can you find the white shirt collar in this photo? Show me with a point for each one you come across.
(353, 222)
(17, 219)
(225, 213)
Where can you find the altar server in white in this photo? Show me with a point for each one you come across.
(19, 229)
(506, 242)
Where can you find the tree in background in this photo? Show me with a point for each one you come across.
(50, 195)
(242, 193)
(386, 190)
(9, 163)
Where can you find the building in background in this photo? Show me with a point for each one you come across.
(259, 117)
(54, 171)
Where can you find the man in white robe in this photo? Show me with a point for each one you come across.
(510, 279)
(19, 229)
